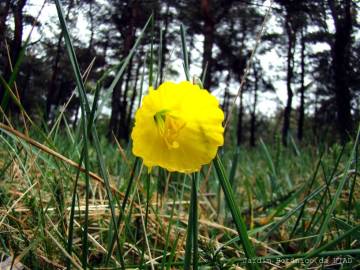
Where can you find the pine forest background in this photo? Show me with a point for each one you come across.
(72, 195)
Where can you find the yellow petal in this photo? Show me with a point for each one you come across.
(178, 127)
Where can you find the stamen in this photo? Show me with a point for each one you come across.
(169, 127)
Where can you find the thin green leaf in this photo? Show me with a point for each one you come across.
(330, 210)
(235, 212)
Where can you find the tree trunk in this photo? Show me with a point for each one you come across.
(208, 32)
(300, 130)
(290, 66)
(4, 12)
(226, 101)
(253, 112)
(15, 46)
(316, 116)
(133, 96)
(91, 16)
(164, 44)
(18, 33)
(24, 92)
(106, 44)
(240, 120)
(115, 110)
(123, 132)
(53, 89)
(341, 58)
(119, 101)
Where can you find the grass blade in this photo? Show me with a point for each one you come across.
(331, 209)
(85, 109)
(235, 212)
(191, 248)
(122, 212)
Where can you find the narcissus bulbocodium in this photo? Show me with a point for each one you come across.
(178, 127)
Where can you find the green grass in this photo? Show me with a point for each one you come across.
(285, 223)
(250, 208)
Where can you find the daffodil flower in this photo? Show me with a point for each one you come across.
(178, 127)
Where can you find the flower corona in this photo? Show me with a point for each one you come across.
(178, 127)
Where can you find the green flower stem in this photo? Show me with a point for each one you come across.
(191, 248)
(235, 212)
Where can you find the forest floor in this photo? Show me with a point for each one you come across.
(300, 206)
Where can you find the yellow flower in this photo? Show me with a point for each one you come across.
(178, 127)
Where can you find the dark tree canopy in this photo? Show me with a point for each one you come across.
(312, 86)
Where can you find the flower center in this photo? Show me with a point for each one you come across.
(169, 127)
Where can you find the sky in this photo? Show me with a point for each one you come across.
(272, 63)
